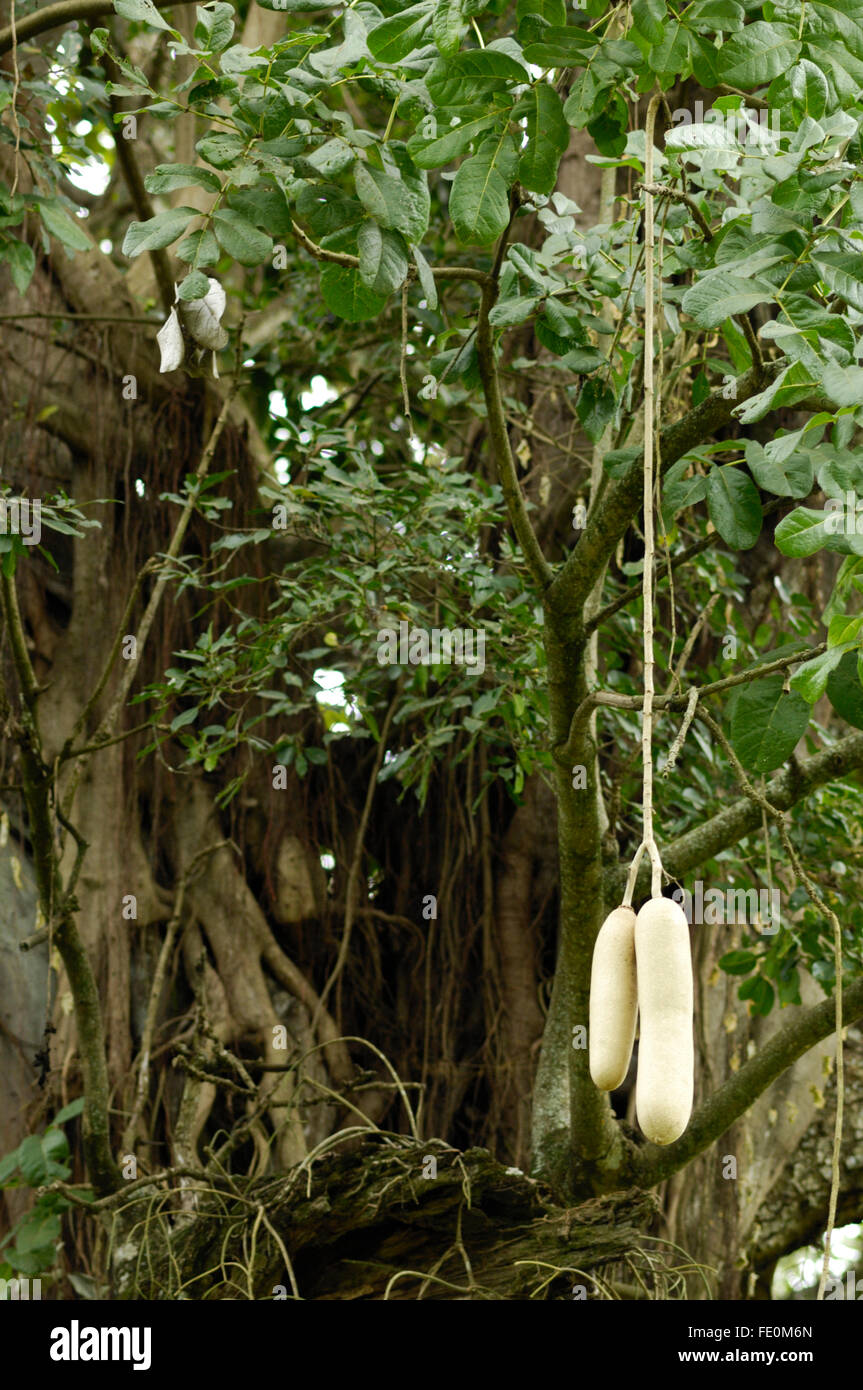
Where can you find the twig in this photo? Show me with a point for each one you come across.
(403, 361)
(66, 12)
(662, 190)
(31, 942)
(86, 318)
(676, 746)
(321, 253)
(501, 449)
(14, 101)
(606, 699)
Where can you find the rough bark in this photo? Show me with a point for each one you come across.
(404, 1221)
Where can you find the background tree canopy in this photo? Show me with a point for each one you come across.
(324, 331)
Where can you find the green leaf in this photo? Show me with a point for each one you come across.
(588, 94)
(583, 361)
(845, 691)
(708, 16)
(767, 724)
(734, 507)
(266, 207)
(810, 679)
(803, 89)
(195, 286)
(448, 26)
(472, 75)
(32, 1161)
(670, 57)
(240, 238)
(199, 248)
(843, 272)
(549, 336)
(788, 477)
(21, 262)
(760, 52)
(62, 226)
(565, 321)
(426, 277)
(571, 47)
(412, 217)
(738, 349)
(510, 312)
(617, 462)
(551, 11)
(8, 1166)
(805, 531)
(55, 1145)
(547, 137)
(595, 408)
(716, 296)
(69, 1112)
(789, 989)
(760, 994)
(157, 232)
(395, 38)
(401, 204)
(345, 294)
(166, 177)
(435, 143)
(215, 26)
(479, 200)
(648, 17)
(844, 385)
(793, 384)
(679, 492)
(383, 258)
(144, 11)
(221, 150)
(737, 962)
(844, 630)
(40, 1228)
(188, 716)
(609, 127)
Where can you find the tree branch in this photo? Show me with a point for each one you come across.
(66, 12)
(348, 259)
(59, 907)
(784, 790)
(634, 591)
(500, 445)
(718, 1113)
(17, 641)
(608, 699)
(608, 521)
